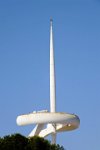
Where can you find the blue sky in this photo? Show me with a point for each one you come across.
(24, 65)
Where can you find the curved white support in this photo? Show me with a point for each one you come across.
(36, 130)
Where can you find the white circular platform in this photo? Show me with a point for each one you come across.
(71, 121)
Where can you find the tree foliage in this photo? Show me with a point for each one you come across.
(19, 142)
(13, 142)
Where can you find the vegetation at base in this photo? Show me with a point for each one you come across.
(19, 142)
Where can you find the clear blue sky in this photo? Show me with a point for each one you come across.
(24, 65)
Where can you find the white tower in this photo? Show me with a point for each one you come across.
(55, 121)
(52, 73)
(52, 82)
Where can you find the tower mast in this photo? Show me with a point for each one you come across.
(52, 82)
(52, 73)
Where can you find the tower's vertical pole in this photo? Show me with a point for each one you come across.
(52, 73)
(52, 83)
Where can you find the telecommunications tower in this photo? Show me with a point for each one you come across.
(55, 121)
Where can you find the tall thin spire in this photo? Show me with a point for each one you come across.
(52, 72)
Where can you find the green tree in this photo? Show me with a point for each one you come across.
(19, 142)
(37, 143)
(56, 147)
(14, 142)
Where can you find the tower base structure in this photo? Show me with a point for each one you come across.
(56, 122)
